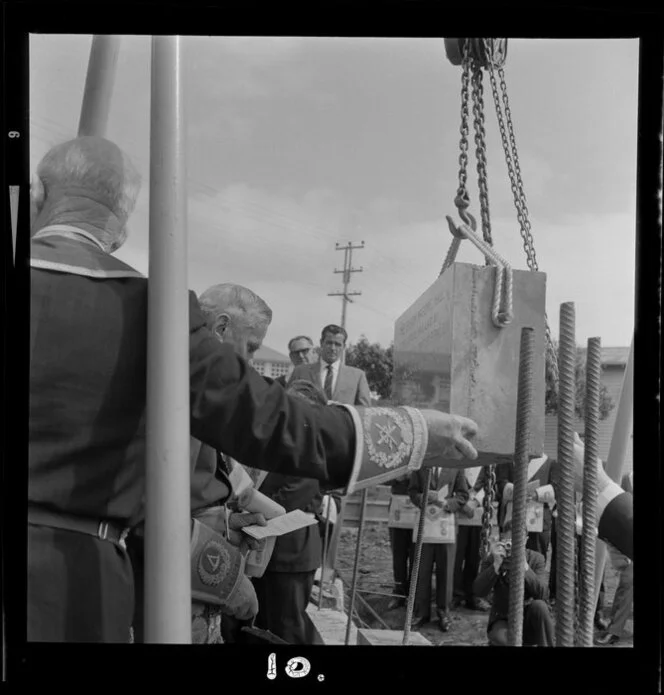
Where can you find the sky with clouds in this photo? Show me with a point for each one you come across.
(295, 144)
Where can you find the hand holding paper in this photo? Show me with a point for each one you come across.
(281, 524)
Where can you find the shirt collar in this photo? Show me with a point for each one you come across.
(335, 366)
(69, 231)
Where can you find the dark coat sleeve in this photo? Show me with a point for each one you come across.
(460, 493)
(415, 487)
(234, 410)
(486, 579)
(616, 525)
(535, 583)
(503, 476)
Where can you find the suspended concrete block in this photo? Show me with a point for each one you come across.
(448, 354)
(389, 638)
(329, 626)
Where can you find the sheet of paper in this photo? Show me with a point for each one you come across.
(280, 525)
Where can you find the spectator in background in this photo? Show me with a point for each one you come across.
(284, 589)
(339, 383)
(439, 554)
(467, 558)
(301, 351)
(494, 576)
(622, 600)
(401, 543)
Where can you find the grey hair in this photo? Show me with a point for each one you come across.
(299, 337)
(233, 299)
(95, 166)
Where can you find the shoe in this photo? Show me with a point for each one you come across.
(607, 640)
(417, 623)
(601, 624)
(477, 604)
(445, 622)
(395, 603)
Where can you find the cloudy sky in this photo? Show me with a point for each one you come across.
(296, 144)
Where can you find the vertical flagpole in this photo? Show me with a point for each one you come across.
(620, 441)
(168, 507)
(99, 85)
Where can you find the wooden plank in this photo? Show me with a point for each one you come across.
(387, 638)
(329, 626)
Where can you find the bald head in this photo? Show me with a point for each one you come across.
(236, 315)
(89, 180)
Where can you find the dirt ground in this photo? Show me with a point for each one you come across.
(375, 583)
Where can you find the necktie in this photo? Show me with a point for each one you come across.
(328, 383)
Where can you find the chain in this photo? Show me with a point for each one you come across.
(462, 191)
(516, 184)
(480, 149)
(487, 513)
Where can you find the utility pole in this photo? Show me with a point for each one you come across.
(348, 261)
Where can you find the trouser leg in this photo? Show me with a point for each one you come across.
(537, 625)
(80, 588)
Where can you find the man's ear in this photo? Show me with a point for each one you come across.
(37, 193)
(221, 325)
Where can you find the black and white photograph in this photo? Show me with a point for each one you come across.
(330, 342)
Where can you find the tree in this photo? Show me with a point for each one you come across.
(606, 403)
(376, 362)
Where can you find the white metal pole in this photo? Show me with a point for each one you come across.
(99, 85)
(620, 441)
(168, 507)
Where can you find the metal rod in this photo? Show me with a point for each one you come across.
(620, 441)
(99, 85)
(356, 567)
(372, 611)
(566, 522)
(168, 509)
(588, 535)
(336, 534)
(324, 566)
(416, 562)
(524, 408)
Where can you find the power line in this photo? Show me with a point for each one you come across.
(348, 269)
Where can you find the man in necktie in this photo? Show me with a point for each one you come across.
(339, 382)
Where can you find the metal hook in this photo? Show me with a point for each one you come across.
(468, 220)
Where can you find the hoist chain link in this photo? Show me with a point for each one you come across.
(462, 191)
(487, 512)
(516, 184)
(480, 149)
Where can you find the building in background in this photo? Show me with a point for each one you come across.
(614, 362)
(269, 362)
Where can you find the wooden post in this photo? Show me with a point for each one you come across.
(168, 506)
(99, 85)
(621, 439)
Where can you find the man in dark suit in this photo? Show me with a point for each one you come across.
(494, 576)
(401, 543)
(440, 554)
(284, 589)
(467, 558)
(540, 489)
(339, 383)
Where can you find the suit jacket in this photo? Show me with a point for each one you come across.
(546, 474)
(456, 480)
(88, 359)
(535, 584)
(209, 482)
(351, 387)
(298, 551)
